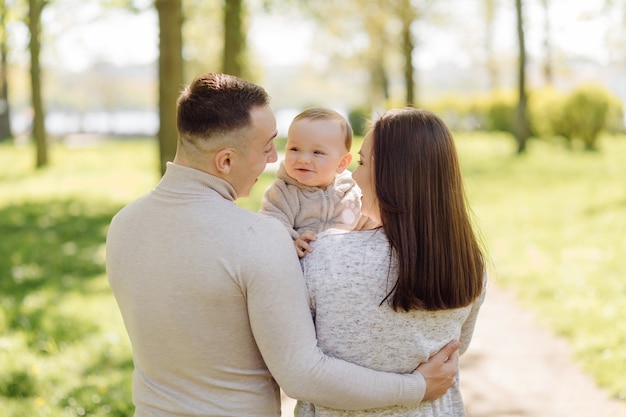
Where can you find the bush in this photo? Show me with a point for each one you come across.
(458, 113)
(615, 122)
(545, 108)
(580, 115)
(359, 118)
(492, 112)
(585, 114)
(501, 114)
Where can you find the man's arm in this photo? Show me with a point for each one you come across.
(283, 329)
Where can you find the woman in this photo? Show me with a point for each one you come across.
(391, 295)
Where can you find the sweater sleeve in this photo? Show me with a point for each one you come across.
(279, 203)
(283, 329)
(467, 330)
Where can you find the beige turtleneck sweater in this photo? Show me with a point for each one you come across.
(214, 302)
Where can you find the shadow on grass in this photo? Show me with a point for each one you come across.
(48, 249)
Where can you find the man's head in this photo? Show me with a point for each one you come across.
(226, 128)
(215, 107)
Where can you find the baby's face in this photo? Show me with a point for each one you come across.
(316, 152)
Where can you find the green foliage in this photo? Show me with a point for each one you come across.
(545, 108)
(359, 119)
(585, 114)
(501, 113)
(615, 120)
(554, 222)
(460, 114)
(580, 115)
(493, 112)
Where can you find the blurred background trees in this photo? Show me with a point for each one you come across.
(170, 75)
(5, 113)
(481, 64)
(35, 9)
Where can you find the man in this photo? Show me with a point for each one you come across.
(212, 295)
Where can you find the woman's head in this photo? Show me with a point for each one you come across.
(407, 161)
(418, 193)
(416, 166)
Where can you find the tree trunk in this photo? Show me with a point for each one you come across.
(5, 109)
(408, 44)
(548, 73)
(522, 130)
(170, 75)
(379, 80)
(379, 85)
(492, 62)
(234, 38)
(35, 7)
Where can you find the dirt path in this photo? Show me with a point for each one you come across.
(515, 367)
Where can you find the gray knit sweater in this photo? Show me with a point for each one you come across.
(215, 305)
(348, 276)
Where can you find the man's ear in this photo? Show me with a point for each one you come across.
(223, 160)
(345, 162)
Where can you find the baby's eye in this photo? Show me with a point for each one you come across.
(293, 149)
(318, 153)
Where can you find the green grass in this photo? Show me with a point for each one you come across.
(63, 349)
(554, 222)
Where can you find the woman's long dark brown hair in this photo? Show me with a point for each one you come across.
(424, 212)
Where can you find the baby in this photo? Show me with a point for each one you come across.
(313, 190)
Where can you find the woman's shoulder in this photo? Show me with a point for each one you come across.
(334, 235)
(339, 242)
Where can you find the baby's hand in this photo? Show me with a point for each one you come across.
(302, 242)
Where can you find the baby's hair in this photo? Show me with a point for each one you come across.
(322, 113)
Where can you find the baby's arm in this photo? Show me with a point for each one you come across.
(302, 242)
(278, 202)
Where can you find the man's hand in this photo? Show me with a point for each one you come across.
(440, 370)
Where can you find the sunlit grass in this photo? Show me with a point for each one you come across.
(114, 171)
(63, 349)
(554, 222)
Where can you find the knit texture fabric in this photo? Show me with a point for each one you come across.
(348, 274)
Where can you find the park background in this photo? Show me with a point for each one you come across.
(86, 123)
